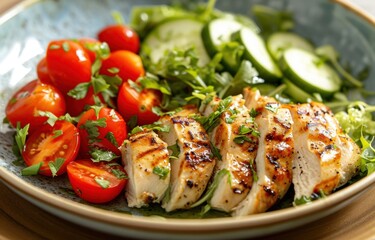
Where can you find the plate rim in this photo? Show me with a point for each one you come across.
(214, 225)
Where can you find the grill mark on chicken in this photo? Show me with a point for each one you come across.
(151, 151)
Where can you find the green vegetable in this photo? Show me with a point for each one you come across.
(102, 182)
(156, 126)
(162, 172)
(56, 165)
(31, 170)
(330, 54)
(98, 155)
(92, 128)
(175, 149)
(20, 140)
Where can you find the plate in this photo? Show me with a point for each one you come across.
(24, 34)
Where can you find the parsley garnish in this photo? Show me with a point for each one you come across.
(119, 174)
(102, 182)
(175, 149)
(98, 155)
(57, 133)
(19, 140)
(272, 107)
(56, 165)
(156, 126)
(91, 127)
(215, 151)
(111, 137)
(211, 189)
(162, 172)
(241, 139)
(32, 170)
(80, 90)
(66, 46)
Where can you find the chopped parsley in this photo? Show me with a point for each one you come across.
(215, 151)
(20, 140)
(31, 170)
(102, 182)
(92, 128)
(66, 46)
(111, 138)
(98, 155)
(175, 151)
(57, 133)
(119, 174)
(156, 126)
(162, 172)
(56, 165)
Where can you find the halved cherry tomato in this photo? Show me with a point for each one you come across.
(127, 65)
(120, 37)
(105, 130)
(76, 106)
(68, 64)
(55, 145)
(35, 96)
(132, 103)
(42, 72)
(96, 182)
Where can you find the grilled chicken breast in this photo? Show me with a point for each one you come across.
(236, 138)
(193, 164)
(274, 157)
(325, 157)
(146, 160)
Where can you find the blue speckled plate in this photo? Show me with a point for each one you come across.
(24, 34)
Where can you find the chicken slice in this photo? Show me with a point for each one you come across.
(194, 163)
(146, 160)
(274, 157)
(236, 138)
(322, 161)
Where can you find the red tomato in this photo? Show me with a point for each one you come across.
(96, 182)
(130, 103)
(120, 37)
(68, 64)
(128, 65)
(42, 72)
(58, 145)
(76, 106)
(35, 96)
(107, 131)
(88, 45)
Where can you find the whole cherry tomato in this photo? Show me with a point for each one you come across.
(89, 44)
(42, 72)
(125, 64)
(132, 103)
(101, 128)
(76, 106)
(96, 182)
(35, 96)
(53, 146)
(68, 64)
(120, 37)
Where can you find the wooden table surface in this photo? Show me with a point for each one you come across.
(20, 219)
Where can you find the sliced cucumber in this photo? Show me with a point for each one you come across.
(278, 42)
(309, 72)
(175, 33)
(296, 93)
(256, 52)
(216, 34)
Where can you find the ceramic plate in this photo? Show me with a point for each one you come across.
(24, 34)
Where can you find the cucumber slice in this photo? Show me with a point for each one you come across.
(278, 42)
(309, 72)
(218, 32)
(296, 93)
(175, 33)
(256, 52)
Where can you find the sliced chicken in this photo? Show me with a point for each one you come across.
(274, 157)
(325, 157)
(146, 160)
(236, 138)
(193, 164)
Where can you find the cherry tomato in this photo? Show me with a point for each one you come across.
(52, 145)
(130, 103)
(105, 130)
(35, 96)
(42, 72)
(88, 45)
(96, 182)
(76, 106)
(68, 64)
(120, 37)
(125, 64)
